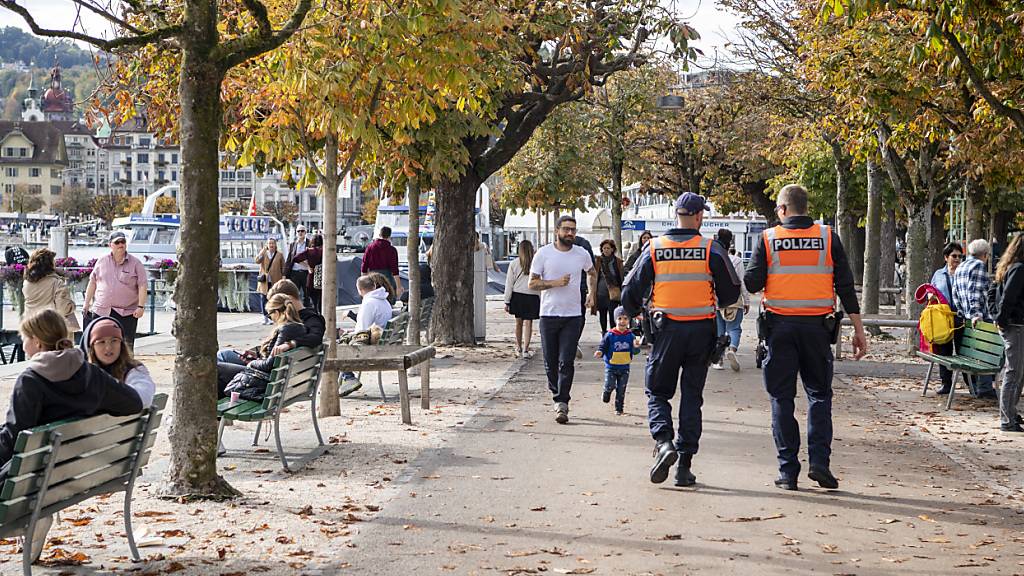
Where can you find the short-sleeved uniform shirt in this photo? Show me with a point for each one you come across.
(117, 285)
(550, 263)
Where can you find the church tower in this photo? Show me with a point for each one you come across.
(57, 104)
(30, 110)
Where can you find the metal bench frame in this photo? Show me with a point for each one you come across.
(274, 402)
(978, 361)
(54, 443)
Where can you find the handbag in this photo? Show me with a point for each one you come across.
(261, 277)
(318, 276)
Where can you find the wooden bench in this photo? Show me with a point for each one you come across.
(58, 465)
(294, 378)
(980, 353)
(391, 357)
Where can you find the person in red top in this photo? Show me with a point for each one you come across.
(314, 256)
(381, 256)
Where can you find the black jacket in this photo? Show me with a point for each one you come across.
(842, 277)
(1011, 306)
(641, 277)
(285, 333)
(315, 326)
(60, 385)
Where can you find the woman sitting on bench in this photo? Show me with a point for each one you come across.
(104, 345)
(57, 384)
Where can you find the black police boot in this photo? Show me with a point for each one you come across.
(823, 477)
(664, 457)
(683, 475)
(786, 483)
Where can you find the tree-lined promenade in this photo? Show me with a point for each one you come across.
(884, 112)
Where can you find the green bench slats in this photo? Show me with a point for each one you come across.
(23, 505)
(36, 460)
(980, 353)
(87, 463)
(64, 463)
(294, 379)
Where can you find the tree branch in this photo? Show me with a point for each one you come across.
(237, 51)
(105, 45)
(1016, 115)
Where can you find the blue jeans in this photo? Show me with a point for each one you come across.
(229, 356)
(734, 329)
(616, 379)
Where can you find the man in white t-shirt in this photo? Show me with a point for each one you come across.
(556, 272)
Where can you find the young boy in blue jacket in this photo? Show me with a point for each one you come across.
(618, 346)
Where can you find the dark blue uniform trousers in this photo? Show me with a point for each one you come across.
(800, 346)
(679, 346)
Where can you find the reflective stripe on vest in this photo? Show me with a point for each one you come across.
(800, 271)
(683, 288)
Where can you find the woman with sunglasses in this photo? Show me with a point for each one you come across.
(942, 279)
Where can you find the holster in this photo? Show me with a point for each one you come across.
(657, 321)
(834, 325)
(764, 325)
(718, 349)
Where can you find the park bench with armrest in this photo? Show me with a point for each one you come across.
(294, 379)
(980, 353)
(61, 464)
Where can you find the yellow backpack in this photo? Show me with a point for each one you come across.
(937, 323)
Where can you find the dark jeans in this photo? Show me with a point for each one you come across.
(299, 278)
(800, 347)
(679, 359)
(606, 314)
(559, 337)
(263, 306)
(316, 303)
(129, 325)
(945, 374)
(616, 379)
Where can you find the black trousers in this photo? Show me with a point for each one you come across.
(299, 278)
(800, 346)
(679, 359)
(129, 324)
(559, 337)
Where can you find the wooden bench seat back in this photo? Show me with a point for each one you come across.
(394, 332)
(96, 455)
(295, 375)
(983, 344)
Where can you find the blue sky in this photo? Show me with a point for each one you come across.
(713, 24)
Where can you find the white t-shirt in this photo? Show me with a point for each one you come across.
(550, 263)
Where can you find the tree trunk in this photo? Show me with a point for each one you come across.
(887, 250)
(413, 251)
(937, 241)
(918, 254)
(765, 205)
(845, 221)
(193, 436)
(859, 239)
(617, 204)
(1000, 226)
(873, 238)
(454, 241)
(330, 403)
(975, 212)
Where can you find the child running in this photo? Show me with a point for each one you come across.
(618, 346)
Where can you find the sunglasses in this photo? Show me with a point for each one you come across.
(120, 241)
(956, 256)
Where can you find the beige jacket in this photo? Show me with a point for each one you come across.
(272, 268)
(51, 292)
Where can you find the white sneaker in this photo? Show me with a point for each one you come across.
(730, 356)
(717, 366)
(527, 354)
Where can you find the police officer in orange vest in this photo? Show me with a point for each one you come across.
(684, 274)
(802, 267)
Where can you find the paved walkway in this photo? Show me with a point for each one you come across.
(516, 493)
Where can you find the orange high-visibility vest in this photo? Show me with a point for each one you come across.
(683, 289)
(800, 281)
